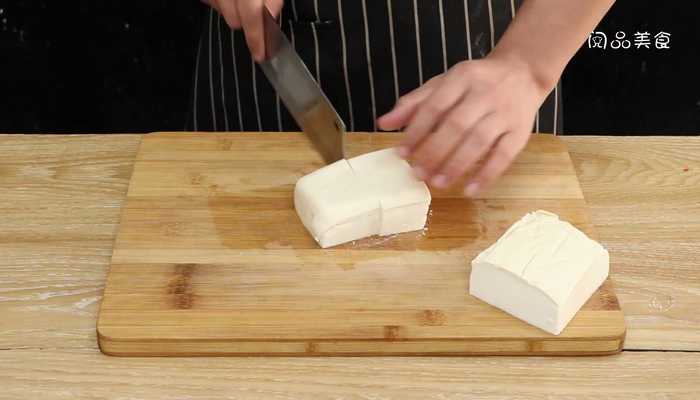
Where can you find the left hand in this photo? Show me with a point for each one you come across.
(482, 109)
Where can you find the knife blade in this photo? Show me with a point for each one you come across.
(301, 94)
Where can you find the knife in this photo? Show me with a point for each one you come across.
(301, 94)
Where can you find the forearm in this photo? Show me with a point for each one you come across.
(546, 34)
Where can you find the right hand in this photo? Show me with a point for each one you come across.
(248, 15)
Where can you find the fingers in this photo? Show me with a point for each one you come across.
(229, 11)
(275, 7)
(497, 162)
(454, 128)
(401, 114)
(250, 13)
(450, 90)
(477, 143)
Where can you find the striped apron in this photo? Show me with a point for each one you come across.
(365, 54)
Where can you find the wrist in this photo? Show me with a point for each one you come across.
(544, 80)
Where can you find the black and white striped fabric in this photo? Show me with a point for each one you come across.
(364, 53)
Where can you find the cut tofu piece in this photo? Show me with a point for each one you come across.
(542, 270)
(372, 194)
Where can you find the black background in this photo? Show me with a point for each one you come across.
(126, 66)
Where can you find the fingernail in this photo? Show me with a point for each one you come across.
(471, 190)
(420, 173)
(403, 151)
(439, 181)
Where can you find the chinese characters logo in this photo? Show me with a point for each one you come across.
(599, 40)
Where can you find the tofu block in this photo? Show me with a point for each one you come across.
(372, 194)
(542, 270)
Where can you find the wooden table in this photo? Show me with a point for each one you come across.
(60, 199)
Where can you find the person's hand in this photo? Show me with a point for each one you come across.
(248, 15)
(477, 110)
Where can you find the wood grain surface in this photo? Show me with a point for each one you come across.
(69, 375)
(60, 198)
(644, 199)
(212, 259)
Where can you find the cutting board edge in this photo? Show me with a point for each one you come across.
(542, 346)
(310, 348)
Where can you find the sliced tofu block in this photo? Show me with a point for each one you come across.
(542, 270)
(372, 194)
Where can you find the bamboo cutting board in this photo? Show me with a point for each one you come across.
(211, 259)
